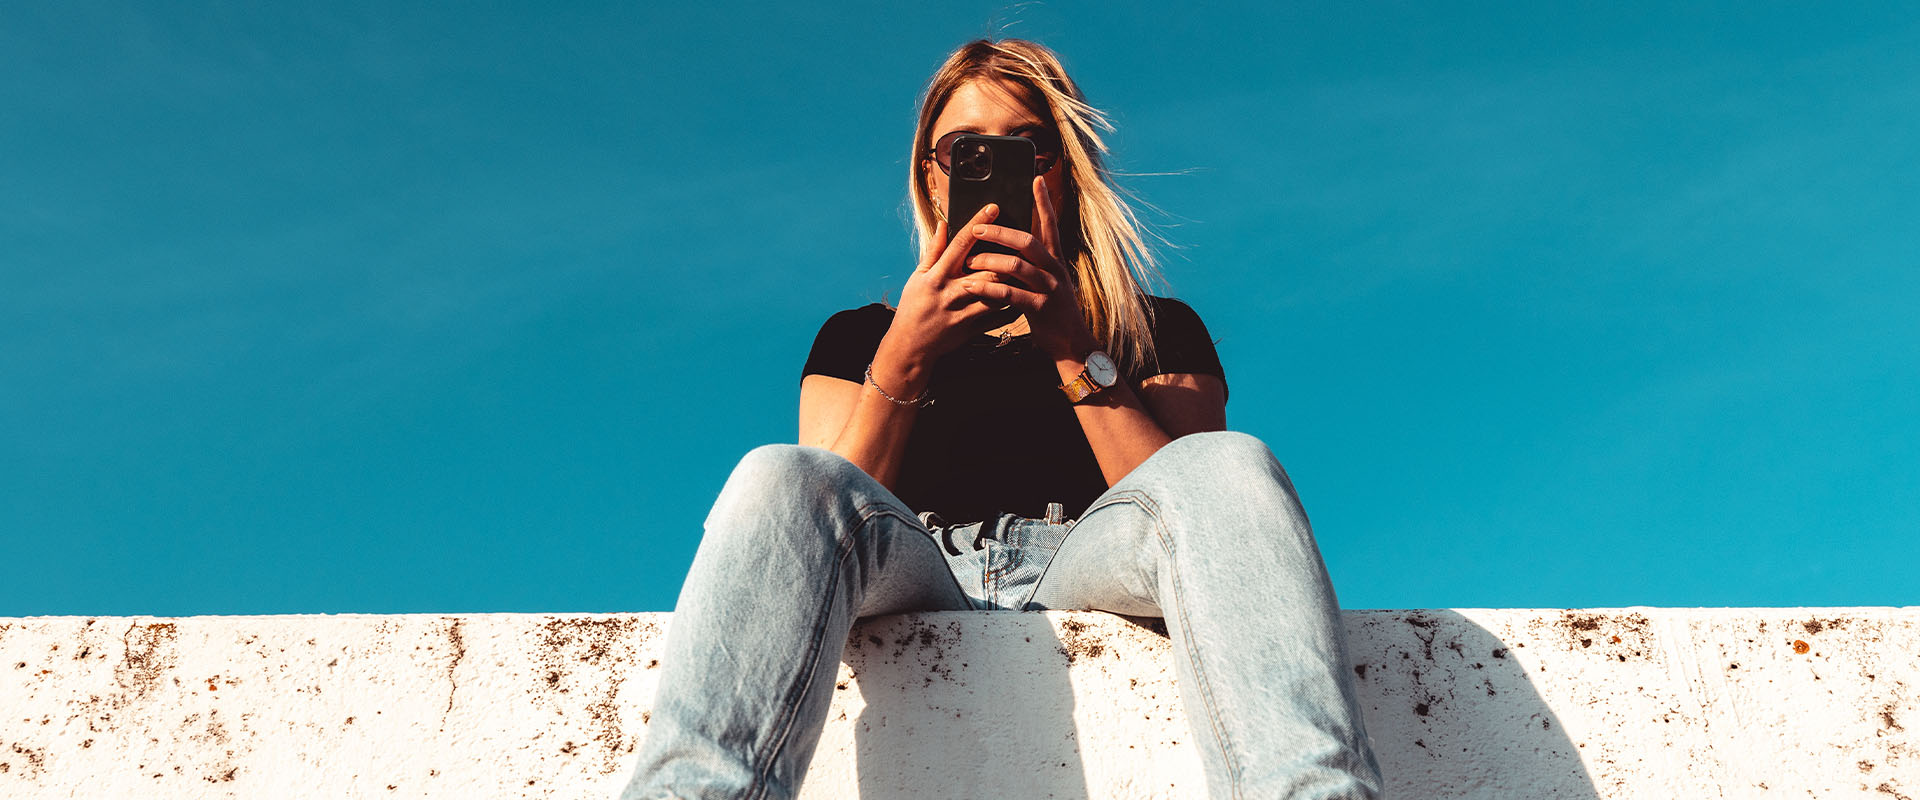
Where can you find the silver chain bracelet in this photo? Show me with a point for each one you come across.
(924, 399)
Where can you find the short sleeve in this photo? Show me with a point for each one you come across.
(1181, 342)
(846, 343)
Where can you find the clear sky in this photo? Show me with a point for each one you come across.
(378, 307)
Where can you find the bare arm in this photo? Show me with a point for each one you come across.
(935, 315)
(938, 310)
(1186, 403)
(854, 421)
(1125, 427)
(1122, 429)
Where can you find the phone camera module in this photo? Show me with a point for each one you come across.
(972, 161)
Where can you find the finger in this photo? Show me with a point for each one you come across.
(956, 296)
(1045, 224)
(1000, 295)
(1014, 238)
(930, 249)
(1015, 268)
(957, 299)
(953, 260)
(978, 315)
(1026, 244)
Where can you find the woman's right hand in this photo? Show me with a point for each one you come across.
(935, 314)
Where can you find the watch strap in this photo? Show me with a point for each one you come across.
(1080, 388)
(1085, 385)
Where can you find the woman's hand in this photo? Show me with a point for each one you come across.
(935, 315)
(1049, 302)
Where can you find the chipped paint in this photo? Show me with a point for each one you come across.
(1581, 704)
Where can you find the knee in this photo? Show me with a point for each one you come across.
(1229, 447)
(1226, 472)
(785, 465)
(772, 479)
(781, 517)
(1225, 456)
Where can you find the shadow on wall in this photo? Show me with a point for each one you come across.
(1454, 714)
(1450, 707)
(1003, 727)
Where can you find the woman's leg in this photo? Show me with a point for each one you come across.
(799, 545)
(1208, 534)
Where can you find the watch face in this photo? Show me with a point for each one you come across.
(1100, 368)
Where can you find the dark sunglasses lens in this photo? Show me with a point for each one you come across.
(1046, 151)
(943, 151)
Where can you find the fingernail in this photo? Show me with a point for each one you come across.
(979, 230)
(969, 285)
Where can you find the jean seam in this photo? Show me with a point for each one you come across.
(1055, 555)
(1112, 499)
(990, 583)
(791, 708)
(1211, 706)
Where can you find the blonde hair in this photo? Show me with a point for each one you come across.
(1100, 237)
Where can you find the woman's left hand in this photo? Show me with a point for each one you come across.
(1049, 302)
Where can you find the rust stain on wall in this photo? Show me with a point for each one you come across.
(457, 645)
(1076, 643)
(593, 653)
(32, 760)
(1830, 623)
(585, 639)
(151, 650)
(1617, 637)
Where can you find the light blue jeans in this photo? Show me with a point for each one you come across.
(1207, 533)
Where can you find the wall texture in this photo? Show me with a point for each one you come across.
(1629, 703)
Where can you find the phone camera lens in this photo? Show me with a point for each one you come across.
(972, 161)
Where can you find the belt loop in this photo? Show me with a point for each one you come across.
(1056, 514)
(953, 547)
(941, 532)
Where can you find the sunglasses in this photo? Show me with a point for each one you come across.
(1046, 150)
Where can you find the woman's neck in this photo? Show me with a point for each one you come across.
(1015, 328)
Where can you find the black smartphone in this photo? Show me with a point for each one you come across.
(990, 169)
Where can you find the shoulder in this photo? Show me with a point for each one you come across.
(1170, 311)
(1176, 323)
(1181, 342)
(868, 313)
(856, 325)
(847, 341)
(856, 320)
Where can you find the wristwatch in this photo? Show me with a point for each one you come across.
(1099, 375)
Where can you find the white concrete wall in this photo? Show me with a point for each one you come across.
(1633, 703)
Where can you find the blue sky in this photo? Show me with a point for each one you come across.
(372, 309)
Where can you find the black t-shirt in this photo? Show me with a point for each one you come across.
(1000, 435)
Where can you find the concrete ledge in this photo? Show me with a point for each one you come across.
(1632, 703)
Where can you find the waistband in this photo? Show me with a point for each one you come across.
(1008, 529)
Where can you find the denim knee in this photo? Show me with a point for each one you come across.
(1226, 458)
(1217, 479)
(782, 480)
(786, 465)
(1230, 450)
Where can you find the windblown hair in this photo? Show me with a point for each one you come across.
(1100, 237)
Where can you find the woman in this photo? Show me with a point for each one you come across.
(999, 434)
